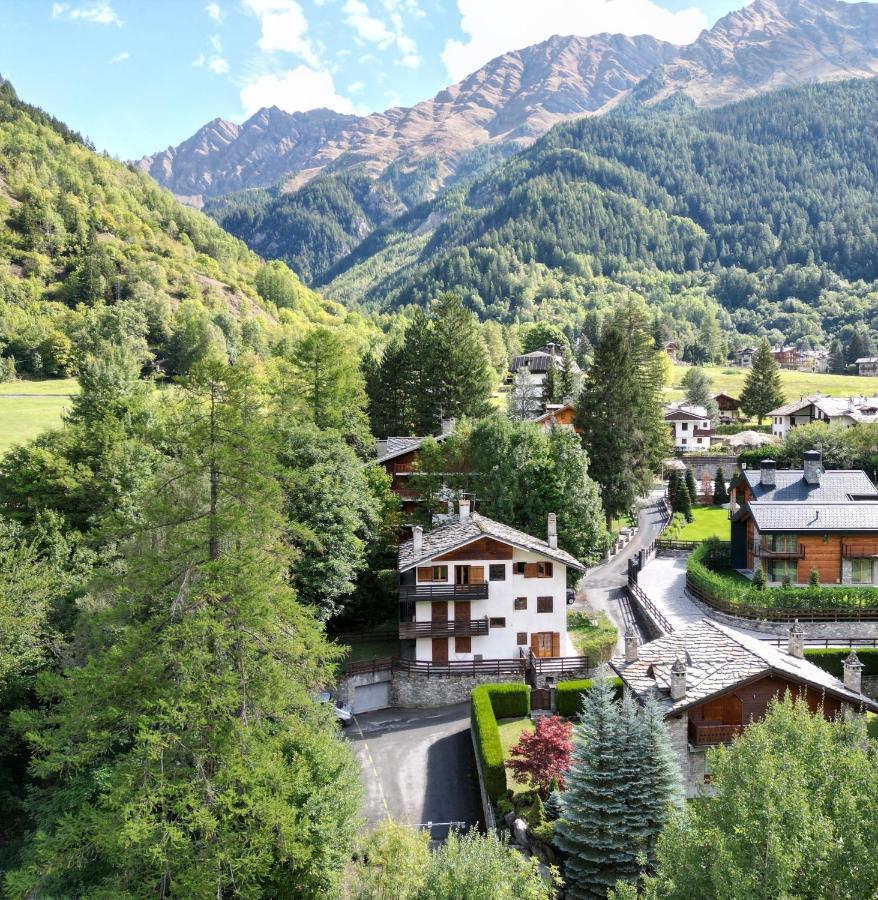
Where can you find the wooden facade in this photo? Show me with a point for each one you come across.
(484, 548)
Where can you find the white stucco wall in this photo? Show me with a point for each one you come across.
(696, 435)
(500, 643)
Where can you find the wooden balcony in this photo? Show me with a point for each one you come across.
(859, 551)
(709, 734)
(449, 628)
(403, 468)
(443, 592)
(761, 550)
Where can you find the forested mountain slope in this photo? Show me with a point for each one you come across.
(88, 245)
(769, 206)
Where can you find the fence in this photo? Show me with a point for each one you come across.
(663, 544)
(520, 665)
(827, 643)
(635, 592)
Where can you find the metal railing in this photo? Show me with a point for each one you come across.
(826, 643)
(859, 551)
(636, 593)
(444, 592)
(519, 666)
(462, 667)
(666, 544)
(444, 628)
(760, 550)
(545, 665)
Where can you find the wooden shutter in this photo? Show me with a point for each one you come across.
(531, 570)
(463, 644)
(425, 573)
(545, 604)
(476, 574)
(556, 643)
(521, 638)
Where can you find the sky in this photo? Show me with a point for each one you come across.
(136, 76)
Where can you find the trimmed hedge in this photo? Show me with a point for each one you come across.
(568, 694)
(731, 590)
(488, 703)
(831, 659)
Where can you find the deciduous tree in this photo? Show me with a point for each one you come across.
(542, 756)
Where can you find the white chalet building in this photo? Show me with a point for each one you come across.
(690, 426)
(841, 411)
(475, 589)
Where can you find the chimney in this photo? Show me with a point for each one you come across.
(632, 645)
(853, 673)
(678, 680)
(796, 641)
(417, 540)
(463, 507)
(448, 425)
(767, 475)
(550, 349)
(553, 531)
(812, 465)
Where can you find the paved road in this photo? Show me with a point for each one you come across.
(417, 765)
(604, 585)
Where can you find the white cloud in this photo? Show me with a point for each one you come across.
(295, 90)
(355, 87)
(199, 61)
(365, 25)
(99, 12)
(119, 57)
(216, 43)
(410, 60)
(283, 27)
(495, 26)
(215, 12)
(218, 65)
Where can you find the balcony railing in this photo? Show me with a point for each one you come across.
(761, 550)
(443, 592)
(448, 628)
(707, 735)
(859, 551)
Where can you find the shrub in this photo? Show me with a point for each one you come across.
(568, 694)
(488, 703)
(831, 659)
(814, 578)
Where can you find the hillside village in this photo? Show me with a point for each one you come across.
(469, 500)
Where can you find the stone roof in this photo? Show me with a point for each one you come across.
(717, 659)
(799, 516)
(858, 409)
(392, 447)
(685, 411)
(538, 361)
(459, 533)
(836, 485)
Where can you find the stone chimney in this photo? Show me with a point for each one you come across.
(853, 673)
(448, 425)
(632, 645)
(767, 475)
(463, 507)
(678, 680)
(553, 531)
(796, 641)
(812, 464)
(417, 540)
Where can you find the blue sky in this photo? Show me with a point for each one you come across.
(138, 75)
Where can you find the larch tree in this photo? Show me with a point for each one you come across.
(763, 391)
(567, 378)
(550, 385)
(184, 754)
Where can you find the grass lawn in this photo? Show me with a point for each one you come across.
(23, 418)
(708, 521)
(596, 641)
(730, 380)
(510, 731)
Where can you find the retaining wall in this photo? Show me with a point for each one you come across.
(425, 692)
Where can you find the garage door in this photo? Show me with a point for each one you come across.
(371, 696)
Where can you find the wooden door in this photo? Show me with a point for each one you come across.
(462, 611)
(439, 611)
(461, 574)
(440, 650)
(545, 643)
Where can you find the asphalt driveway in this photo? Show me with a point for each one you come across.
(417, 766)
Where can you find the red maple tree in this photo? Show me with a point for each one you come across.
(543, 755)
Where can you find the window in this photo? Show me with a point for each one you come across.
(521, 638)
(782, 543)
(684, 426)
(861, 571)
(440, 573)
(497, 621)
(432, 573)
(683, 441)
(545, 604)
(497, 572)
(518, 568)
(519, 603)
(544, 570)
(463, 644)
(779, 569)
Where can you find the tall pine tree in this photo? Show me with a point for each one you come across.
(762, 389)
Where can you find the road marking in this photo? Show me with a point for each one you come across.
(374, 769)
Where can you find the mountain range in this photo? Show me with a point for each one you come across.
(520, 95)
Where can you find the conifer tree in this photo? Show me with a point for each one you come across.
(762, 389)
(684, 501)
(550, 386)
(720, 493)
(691, 486)
(673, 487)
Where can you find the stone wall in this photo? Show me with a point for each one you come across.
(693, 763)
(701, 465)
(424, 692)
(870, 686)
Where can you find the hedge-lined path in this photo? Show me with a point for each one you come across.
(417, 766)
(603, 587)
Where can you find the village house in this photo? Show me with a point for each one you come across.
(867, 365)
(790, 521)
(712, 683)
(475, 589)
(558, 415)
(672, 348)
(690, 426)
(537, 363)
(842, 411)
(743, 357)
(729, 408)
(786, 357)
(399, 456)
